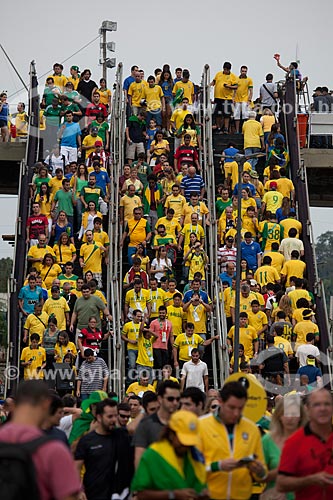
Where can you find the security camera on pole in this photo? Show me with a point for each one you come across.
(105, 61)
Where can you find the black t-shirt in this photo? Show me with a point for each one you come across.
(148, 431)
(85, 89)
(108, 461)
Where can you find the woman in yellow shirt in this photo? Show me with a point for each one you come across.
(64, 250)
(63, 347)
(247, 201)
(88, 217)
(49, 270)
(189, 127)
(44, 198)
(159, 146)
(145, 260)
(105, 94)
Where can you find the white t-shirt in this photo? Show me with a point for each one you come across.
(288, 245)
(305, 350)
(194, 374)
(66, 424)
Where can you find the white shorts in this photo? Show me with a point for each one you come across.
(241, 110)
(69, 153)
(134, 147)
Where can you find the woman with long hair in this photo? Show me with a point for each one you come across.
(161, 265)
(159, 146)
(88, 276)
(105, 94)
(63, 346)
(49, 270)
(49, 340)
(289, 415)
(187, 248)
(44, 198)
(244, 269)
(62, 225)
(141, 254)
(212, 404)
(166, 82)
(285, 306)
(79, 181)
(189, 127)
(284, 211)
(88, 218)
(42, 176)
(64, 250)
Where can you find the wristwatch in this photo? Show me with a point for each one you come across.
(171, 495)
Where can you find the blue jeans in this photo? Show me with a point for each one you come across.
(132, 354)
(253, 161)
(130, 252)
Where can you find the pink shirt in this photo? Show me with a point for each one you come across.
(163, 328)
(57, 475)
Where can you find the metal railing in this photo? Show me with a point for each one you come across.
(116, 356)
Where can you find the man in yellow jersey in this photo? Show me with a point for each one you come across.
(266, 273)
(138, 230)
(225, 84)
(59, 79)
(285, 185)
(57, 306)
(192, 227)
(21, 122)
(276, 256)
(170, 222)
(253, 137)
(33, 359)
(186, 85)
(246, 298)
(137, 298)
(243, 98)
(196, 312)
(141, 386)
(176, 314)
(228, 295)
(154, 100)
(176, 201)
(145, 359)
(130, 335)
(101, 237)
(91, 255)
(187, 341)
(291, 222)
(293, 267)
(272, 200)
(177, 120)
(37, 252)
(227, 438)
(247, 336)
(258, 320)
(306, 326)
(197, 207)
(127, 204)
(156, 298)
(135, 93)
(281, 342)
(88, 143)
(298, 293)
(271, 232)
(36, 322)
(170, 292)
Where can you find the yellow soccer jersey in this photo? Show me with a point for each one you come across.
(59, 80)
(172, 226)
(273, 201)
(242, 92)
(89, 143)
(178, 117)
(277, 260)
(92, 257)
(138, 389)
(188, 88)
(197, 265)
(38, 253)
(137, 301)
(145, 351)
(258, 320)
(266, 274)
(58, 307)
(246, 337)
(285, 186)
(177, 203)
(64, 253)
(37, 357)
(220, 91)
(62, 350)
(55, 185)
(190, 228)
(99, 237)
(153, 96)
(198, 316)
(157, 298)
(176, 316)
(302, 329)
(199, 209)
(131, 330)
(37, 324)
(293, 268)
(185, 344)
(136, 91)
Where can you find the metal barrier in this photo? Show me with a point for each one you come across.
(116, 356)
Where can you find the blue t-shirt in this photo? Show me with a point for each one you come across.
(102, 179)
(127, 82)
(167, 89)
(245, 185)
(69, 135)
(151, 134)
(192, 185)
(311, 371)
(230, 152)
(188, 295)
(249, 253)
(30, 297)
(225, 277)
(4, 112)
(58, 230)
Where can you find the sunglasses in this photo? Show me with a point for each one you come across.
(214, 407)
(124, 416)
(172, 399)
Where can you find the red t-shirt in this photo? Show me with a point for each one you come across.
(37, 225)
(93, 110)
(304, 454)
(163, 328)
(90, 338)
(57, 475)
(186, 154)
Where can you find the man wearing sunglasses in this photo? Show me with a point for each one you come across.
(149, 429)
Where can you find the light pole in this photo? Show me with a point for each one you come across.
(105, 61)
(240, 159)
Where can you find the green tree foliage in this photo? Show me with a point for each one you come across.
(6, 266)
(324, 254)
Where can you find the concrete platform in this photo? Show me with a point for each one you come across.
(12, 151)
(317, 158)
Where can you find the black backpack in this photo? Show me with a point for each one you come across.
(18, 478)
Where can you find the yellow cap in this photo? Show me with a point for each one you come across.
(185, 425)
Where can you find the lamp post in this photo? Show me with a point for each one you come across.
(106, 61)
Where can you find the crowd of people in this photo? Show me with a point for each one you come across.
(167, 331)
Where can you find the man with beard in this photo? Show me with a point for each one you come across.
(106, 455)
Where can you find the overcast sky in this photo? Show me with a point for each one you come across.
(186, 34)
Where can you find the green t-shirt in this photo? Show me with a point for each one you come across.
(272, 454)
(143, 171)
(49, 95)
(39, 180)
(85, 308)
(221, 206)
(52, 116)
(103, 128)
(71, 107)
(64, 199)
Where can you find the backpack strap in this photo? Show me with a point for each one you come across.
(30, 446)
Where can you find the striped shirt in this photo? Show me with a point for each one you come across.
(92, 375)
(192, 185)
